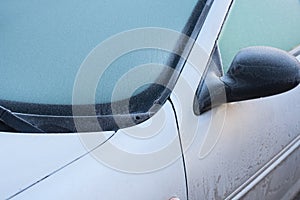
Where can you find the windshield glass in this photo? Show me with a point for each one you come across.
(67, 63)
(43, 43)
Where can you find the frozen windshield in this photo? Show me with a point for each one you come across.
(46, 47)
(43, 43)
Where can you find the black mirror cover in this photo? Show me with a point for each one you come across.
(259, 72)
(255, 72)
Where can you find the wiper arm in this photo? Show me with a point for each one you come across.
(17, 123)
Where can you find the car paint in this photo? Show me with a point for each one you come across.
(28, 158)
(89, 176)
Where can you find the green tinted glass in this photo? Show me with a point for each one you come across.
(269, 23)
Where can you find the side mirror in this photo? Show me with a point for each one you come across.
(255, 72)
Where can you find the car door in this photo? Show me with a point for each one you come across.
(248, 148)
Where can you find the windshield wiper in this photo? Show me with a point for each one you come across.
(17, 123)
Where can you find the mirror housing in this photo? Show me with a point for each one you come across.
(254, 73)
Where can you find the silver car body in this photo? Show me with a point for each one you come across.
(248, 149)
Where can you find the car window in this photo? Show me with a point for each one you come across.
(260, 23)
(44, 43)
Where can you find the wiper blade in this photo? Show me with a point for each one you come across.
(17, 123)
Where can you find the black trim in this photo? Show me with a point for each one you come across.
(11, 121)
